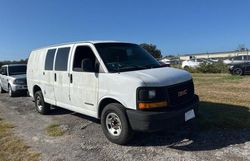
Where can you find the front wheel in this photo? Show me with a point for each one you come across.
(237, 71)
(186, 68)
(115, 124)
(41, 106)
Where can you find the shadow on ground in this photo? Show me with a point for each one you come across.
(59, 111)
(217, 126)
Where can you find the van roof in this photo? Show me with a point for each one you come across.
(78, 42)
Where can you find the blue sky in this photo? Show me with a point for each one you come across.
(175, 26)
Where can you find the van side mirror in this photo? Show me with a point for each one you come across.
(87, 65)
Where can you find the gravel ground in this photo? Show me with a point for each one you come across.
(84, 140)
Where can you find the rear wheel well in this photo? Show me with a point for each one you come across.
(104, 103)
(35, 89)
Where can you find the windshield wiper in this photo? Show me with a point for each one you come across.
(152, 66)
(132, 68)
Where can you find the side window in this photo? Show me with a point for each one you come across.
(84, 59)
(50, 59)
(238, 58)
(62, 59)
(3, 71)
(199, 60)
(246, 57)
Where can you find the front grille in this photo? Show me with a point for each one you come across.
(181, 93)
(23, 81)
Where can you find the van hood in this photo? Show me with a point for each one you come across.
(165, 76)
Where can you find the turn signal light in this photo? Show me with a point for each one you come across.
(144, 106)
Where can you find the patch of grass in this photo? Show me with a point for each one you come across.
(225, 101)
(223, 88)
(54, 130)
(13, 148)
(233, 77)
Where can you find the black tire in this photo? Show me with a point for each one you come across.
(122, 136)
(41, 106)
(237, 71)
(10, 91)
(186, 68)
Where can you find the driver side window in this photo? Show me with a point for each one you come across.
(84, 60)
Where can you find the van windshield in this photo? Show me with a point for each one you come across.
(122, 57)
(17, 70)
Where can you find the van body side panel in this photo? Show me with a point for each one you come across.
(34, 70)
(29, 73)
(120, 88)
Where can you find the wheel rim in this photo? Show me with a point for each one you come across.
(113, 124)
(237, 71)
(39, 103)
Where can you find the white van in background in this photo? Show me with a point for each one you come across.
(119, 83)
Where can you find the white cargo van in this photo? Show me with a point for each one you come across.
(119, 83)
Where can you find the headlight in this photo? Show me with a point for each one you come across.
(146, 94)
(231, 67)
(151, 97)
(18, 81)
(151, 94)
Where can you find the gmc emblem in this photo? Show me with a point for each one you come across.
(182, 93)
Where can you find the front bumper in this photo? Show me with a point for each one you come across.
(19, 88)
(151, 121)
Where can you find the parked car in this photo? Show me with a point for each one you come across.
(213, 59)
(194, 63)
(164, 64)
(240, 69)
(13, 79)
(119, 83)
(237, 59)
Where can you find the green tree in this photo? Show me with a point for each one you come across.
(152, 49)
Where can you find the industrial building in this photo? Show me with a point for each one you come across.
(218, 55)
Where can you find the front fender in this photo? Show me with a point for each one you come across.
(112, 97)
